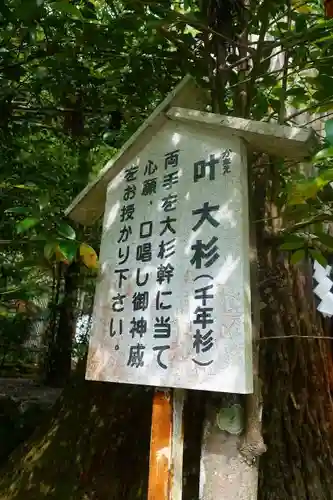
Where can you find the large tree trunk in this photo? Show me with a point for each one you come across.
(95, 446)
(297, 417)
(295, 371)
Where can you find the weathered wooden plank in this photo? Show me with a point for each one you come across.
(166, 446)
(177, 444)
(160, 446)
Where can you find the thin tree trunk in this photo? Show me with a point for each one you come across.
(61, 351)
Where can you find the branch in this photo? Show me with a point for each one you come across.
(184, 18)
(317, 118)
(283, 96)
(257, 58)
(309, 108)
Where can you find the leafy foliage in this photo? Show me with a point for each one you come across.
(69, 97)
(78, 77)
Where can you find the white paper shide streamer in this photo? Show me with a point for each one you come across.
(323, 288)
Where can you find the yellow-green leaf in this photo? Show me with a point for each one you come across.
(323, 154)
(302, 191)
(88, 256)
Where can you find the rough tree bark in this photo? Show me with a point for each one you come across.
(94, 445)
(295, 371)
(60, 351)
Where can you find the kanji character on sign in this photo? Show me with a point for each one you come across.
(171, 159)
(141, 281)
(226, 161)
(125, 232)
(204, 251)
(150, 168)
(203, 342)
(205, 215)
(118, 302)
(169, 202)
(164, 273)
(170, 179)
(203, 317)
(136, 355)
(140, 301)
(146, 229)
(130, 173)
(122, 276)
(166, 249)
(129, 192)
(144, 252)
(167, 225)
(159, 303)
(201, 294)
(139, 326)
(149, 187)
(113, 329)
(160, 350)
(127, 212)
(201, 167)
(162, 327)
(123, 255)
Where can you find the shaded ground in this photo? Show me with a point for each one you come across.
(95, 445)
(24, 404)
(27, 390)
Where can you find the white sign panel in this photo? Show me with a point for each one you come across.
(172, 304)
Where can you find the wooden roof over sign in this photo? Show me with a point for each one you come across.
(185, 104)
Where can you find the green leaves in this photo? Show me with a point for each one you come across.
(68, 249)
(65, 7)
(44, 200)
(18, 210)
(297, 244)
(324, 154)
(325, 239)
(304, 245)
(37, 216)
(302, 190)
(329, 131)
(27, 224)
(66, 230)
(297, 256)
(49, 250)
(318, 256)
(61, 251)
(292, 243)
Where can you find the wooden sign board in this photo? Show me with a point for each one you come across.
(172, 304)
